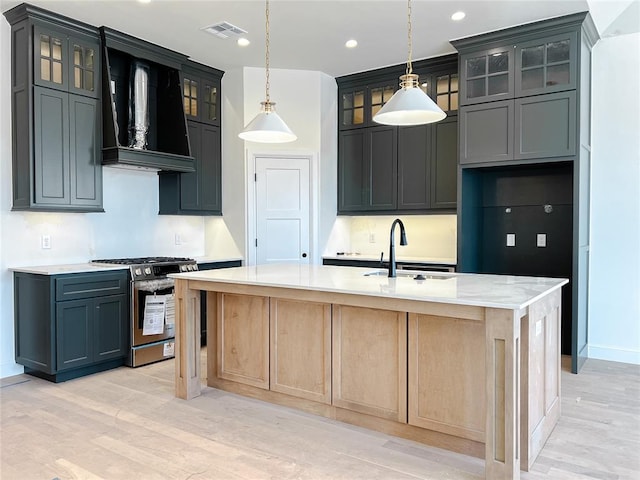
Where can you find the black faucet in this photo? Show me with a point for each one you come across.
(392, 247)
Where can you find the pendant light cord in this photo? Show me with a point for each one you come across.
(266, 56)
(409, 66)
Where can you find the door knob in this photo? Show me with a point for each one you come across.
(304, 255)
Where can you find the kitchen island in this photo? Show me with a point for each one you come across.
(465, 362)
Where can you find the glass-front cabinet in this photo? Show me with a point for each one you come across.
(519, 69)
(359, 104)
(66, 62)
(487, 75)
(546, 66)
(201, 97)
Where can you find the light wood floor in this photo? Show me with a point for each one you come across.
(127, 424)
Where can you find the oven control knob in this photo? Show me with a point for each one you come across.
(190, 267)
(147, 271)
(137, 272)
(183, 268)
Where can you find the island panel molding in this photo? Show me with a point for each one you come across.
(300, 349)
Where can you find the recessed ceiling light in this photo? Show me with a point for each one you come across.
(351, 43)
(144, 1)
(458, 16)
(243, 42)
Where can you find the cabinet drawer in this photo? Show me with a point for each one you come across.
(77, 286)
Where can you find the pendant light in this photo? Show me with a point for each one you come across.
(267, 126)
(409, 105)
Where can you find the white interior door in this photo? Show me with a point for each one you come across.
(282, 210)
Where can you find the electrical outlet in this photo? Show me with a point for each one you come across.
(178, 239)
(541, 239)
(45, 242)
(372, 238)
(511, 239)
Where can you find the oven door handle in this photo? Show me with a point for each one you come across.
(153, 285)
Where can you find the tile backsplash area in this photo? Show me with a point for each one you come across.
(427, 235)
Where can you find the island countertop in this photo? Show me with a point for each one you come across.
(494, 291)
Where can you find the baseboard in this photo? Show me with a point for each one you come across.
(614, 354)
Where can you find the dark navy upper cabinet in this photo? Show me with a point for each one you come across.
(487, 75)
(517, 92)
(198, 192)
(56, 114)
(384, 169)
(201, 93)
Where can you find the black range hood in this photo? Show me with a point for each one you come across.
(144, 125)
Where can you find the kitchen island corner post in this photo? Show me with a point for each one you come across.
(502, 367)
(187, 349)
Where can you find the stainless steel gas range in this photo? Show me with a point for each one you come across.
(152, 329)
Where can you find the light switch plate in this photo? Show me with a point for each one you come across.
(541, 240)
(46, 242)
(511, 239)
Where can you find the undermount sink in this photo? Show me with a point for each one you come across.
(415, 274)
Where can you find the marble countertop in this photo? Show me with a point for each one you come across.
(214, 259)
(498, 291)
(376, 258)
(69, 268)
(98, 267)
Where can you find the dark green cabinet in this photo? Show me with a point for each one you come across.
(524, 144)
(384, 169)
(518, 67)
(537, 127)
(66, 62)
(367, 169)
(444, 164)
(56, 112)
(201, 93)
(71, 325)
(198, 192)
(359, 103)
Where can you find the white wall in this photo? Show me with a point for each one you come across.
(614, 301)
(307, 102)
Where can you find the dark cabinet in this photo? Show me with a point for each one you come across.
(201, 93)
(518, 93)
(537, 127)
(383, 169)
(71, 325)
(359, 103)
(66, 62)
(198, 192)
(56, 112)
(367, 169)
(525, 211)
(519, 67)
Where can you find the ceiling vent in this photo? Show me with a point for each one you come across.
(224, 30)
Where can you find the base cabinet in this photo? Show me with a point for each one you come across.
(71, 325)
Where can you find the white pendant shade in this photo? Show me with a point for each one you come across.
(267, 127)
(409, 106)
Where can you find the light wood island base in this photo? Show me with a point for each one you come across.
(476, 380)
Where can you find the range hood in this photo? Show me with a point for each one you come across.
(144, 124)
